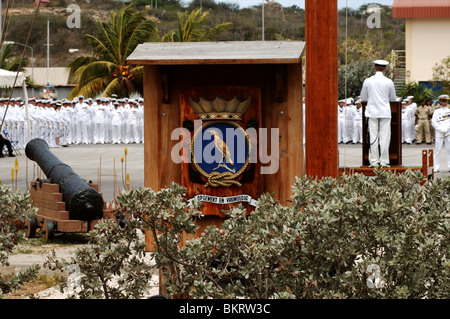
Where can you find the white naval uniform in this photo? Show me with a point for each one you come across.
(140, 116)
(349, 114)
(116, 125)
(412, 120)
(84, 122)
(406, 123)
(99, 120)
(72, 137)
(357, 125)
(342, 137)
(441, 124)
(378, 91)
(131, 135)
(65, 124)
(51, 118)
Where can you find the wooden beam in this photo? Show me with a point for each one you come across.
(152, 120)
(322, 154)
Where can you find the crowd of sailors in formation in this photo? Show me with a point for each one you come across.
(78, 121)
(120, 120)
(416, 121)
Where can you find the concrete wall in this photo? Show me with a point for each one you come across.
(427, 43)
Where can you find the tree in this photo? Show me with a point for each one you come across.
(441, 75)
(107, 70)
(10, 62)
(418, 90)
(192, 26)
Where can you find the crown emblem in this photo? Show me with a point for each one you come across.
(220, 109)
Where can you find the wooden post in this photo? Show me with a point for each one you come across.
(322, 154)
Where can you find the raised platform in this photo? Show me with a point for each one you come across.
(426, 168)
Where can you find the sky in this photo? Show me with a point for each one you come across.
(354, 4)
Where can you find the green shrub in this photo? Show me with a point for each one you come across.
(348, 237)
(111, 267)
(15, 209)
(328, 244)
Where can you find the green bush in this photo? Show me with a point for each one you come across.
(15, 209)
(346, 237)
(113, 266)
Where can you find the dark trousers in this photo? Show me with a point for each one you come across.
(5, 142)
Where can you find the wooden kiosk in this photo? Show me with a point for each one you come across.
(243, 86)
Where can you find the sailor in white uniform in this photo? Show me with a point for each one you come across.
(357, 123)
(342, 136)
(406, 123)
(116, 124)
(412, 106)
(378, 91)
(84, 117)
(441, 124)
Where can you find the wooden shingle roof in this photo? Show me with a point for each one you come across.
(233, 52)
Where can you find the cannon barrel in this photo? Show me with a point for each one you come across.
(82, 201)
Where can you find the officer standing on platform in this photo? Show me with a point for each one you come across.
(378, 91)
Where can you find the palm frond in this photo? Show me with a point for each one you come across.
(95, 70)
(112, 88)
(192, 26)
(116, 40)
(78, 63)
(212, 33)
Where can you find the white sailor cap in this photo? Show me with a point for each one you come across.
(341, 101)
(358, 101)
(443, 97)
(81, 97)
(381, 62)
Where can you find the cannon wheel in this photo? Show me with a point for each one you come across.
(48, 230)
(30, 227)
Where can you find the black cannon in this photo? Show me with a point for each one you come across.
(82, 201)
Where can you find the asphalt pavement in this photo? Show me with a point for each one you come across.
(99, 163)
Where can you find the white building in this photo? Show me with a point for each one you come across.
(427, 35)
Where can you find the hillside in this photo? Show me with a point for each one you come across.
(280, 24)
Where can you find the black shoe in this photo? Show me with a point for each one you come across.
(12, 155)
(1, 155)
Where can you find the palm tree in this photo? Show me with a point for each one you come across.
(107, 70)
(192, 26)
(10, 62)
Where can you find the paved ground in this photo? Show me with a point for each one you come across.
(86, 161)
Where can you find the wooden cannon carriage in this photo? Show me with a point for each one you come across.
(53, 216)
(66, 202)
